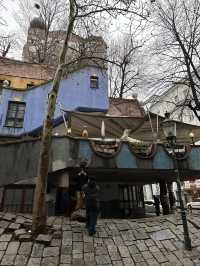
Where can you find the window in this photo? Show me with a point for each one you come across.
(15, 114)
(94, 82)
(29, 85)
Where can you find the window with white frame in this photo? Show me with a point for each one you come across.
(94, 82)
(15, 114)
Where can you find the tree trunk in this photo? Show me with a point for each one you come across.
(39, 207)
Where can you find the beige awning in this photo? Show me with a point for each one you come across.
(145, 128)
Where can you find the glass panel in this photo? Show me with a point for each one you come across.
(134, 194)
(11, 114)
(21, 107)
(10, 123)
(12, 107)
(94, 82)
(19, 123)
(20, 114)
(125, 194)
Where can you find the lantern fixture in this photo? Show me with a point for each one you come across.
(169, 128)
(191, 135)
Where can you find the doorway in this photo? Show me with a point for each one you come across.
(131, 200)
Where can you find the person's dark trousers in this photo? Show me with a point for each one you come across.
(157, 211)
(87, 219)
(91, 215)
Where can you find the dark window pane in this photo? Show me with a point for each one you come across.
(15, 114)
(10, 123)
(94, 82)
(11, 114)
(20, 114)
(29, 85)
(21, 107)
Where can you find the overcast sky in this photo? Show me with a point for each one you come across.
(10, 7)
(12, 26)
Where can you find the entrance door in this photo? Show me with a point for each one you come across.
(131, 200)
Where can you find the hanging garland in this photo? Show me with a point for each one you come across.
(106, 149)
(182, 153)
(143, 151)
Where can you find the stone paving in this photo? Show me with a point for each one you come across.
(150, 241)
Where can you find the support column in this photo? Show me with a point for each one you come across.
(171, 195)
(164, 197)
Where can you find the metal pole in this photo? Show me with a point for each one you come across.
(193, 141)
(187, 240)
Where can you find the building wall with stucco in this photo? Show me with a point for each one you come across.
(20, 82)
(75, 93)
(23, 75)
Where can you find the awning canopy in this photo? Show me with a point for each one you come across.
(146, 128)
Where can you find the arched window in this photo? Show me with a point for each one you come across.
(94, 82)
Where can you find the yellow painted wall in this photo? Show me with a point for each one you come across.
(19, 82)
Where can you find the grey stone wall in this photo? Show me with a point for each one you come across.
(18, 161)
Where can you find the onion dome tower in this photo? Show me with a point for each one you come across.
(37, 23)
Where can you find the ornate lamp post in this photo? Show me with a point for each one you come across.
(169, 129)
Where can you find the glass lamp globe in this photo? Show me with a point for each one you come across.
(191, 135)
(169, 127)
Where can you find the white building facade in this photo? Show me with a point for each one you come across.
(173, 101)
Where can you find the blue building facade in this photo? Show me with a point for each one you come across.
(22, 112)
(120, 173)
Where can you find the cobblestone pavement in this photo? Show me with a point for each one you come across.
(149, 241)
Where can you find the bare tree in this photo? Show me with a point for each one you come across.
(178, 47)
(124, 75)
(79, 12)
(7, 40)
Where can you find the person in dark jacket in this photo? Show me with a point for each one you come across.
(82, 177)
(157, 205)
(91, 191)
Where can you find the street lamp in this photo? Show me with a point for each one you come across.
(191, 135)
(169, 129)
